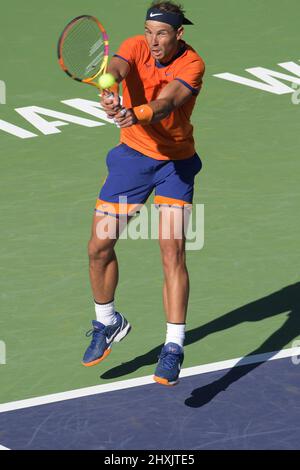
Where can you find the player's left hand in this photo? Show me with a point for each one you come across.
(125, 120)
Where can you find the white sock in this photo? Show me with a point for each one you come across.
(175, 333)
(105, 313)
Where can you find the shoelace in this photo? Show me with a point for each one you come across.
(169, 360)
(96, 333)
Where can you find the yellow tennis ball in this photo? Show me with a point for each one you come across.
(106, 81)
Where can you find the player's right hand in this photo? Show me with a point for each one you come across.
(111, 105)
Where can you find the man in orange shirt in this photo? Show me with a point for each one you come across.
(161, 77)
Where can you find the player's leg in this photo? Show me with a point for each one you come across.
(103, 264)
(174, 195)
(126, 188)
(110, 326)
(172, 249)
(175, 292)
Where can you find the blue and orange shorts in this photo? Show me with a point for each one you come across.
(133, 176)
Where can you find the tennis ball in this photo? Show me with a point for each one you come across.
(106, 81)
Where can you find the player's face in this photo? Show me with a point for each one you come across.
(162, 40)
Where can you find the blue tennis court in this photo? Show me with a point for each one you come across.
(255, 406)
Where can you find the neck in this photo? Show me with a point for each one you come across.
(172, 54)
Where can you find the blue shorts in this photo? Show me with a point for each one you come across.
(133, 176)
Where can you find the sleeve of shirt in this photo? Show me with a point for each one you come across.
(129, 51)
(192, 75)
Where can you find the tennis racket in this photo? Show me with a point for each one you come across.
(83, 49)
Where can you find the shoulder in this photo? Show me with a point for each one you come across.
(137, 42)
(189, 70)
(191, 59)
(134, 50)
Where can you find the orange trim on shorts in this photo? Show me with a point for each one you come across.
(170, 201)
(115, 208)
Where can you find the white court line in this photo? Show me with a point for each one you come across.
(4, 448)
(130, 383)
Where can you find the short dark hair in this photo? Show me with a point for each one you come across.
(169, 6)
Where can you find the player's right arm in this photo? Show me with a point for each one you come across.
(119, 68)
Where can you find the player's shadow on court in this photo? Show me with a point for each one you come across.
(286, 300)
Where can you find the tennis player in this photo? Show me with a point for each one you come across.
(161, 77)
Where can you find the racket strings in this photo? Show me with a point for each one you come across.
(83, 49)
(77, 48)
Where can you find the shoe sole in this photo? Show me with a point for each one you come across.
(93, 363)
(117, 339)
(165, 382)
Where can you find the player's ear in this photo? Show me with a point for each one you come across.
(179, 33)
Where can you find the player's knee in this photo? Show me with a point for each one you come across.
(99, 253)
(172, 257)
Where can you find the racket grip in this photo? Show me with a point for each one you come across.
(107, 95)
(123, 111)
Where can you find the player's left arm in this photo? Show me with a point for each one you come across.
(173, 95)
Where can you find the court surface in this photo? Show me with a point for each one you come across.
(214, 410)
(245, 286)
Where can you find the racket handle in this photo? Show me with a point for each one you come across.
(123, 111)
(107, 95)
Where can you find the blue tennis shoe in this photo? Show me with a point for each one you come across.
(102, 339)
(169, 364)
